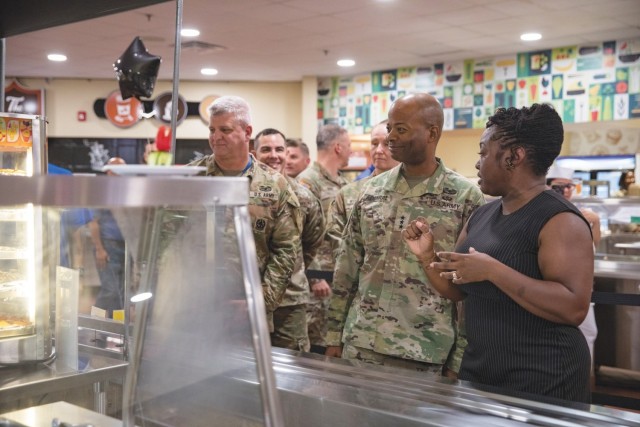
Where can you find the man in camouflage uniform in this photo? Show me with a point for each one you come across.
(324, 180)
(384, 309)
(290, 318)
(297, 157)
(273, 207)
(346, 197)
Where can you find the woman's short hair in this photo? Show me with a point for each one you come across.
(538, 129)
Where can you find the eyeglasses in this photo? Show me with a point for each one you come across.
(560, 188)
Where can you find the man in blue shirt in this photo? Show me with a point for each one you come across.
(110, 256)
(70, 221)
(367, 172)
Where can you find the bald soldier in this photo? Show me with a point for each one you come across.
(384, 310)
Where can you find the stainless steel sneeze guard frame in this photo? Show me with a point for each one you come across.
(121, 191)
(178, 215)
(318, 391)
(336, 393)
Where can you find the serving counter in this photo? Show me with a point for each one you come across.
(617, 292)
(338, 393)
(57, 414)
(318, 391)
(199, 353)
(22, 382)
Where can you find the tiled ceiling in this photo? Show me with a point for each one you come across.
(284, 40)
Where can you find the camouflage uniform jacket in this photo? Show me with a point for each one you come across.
(382, 299)
(340, 210)
(312, 237)
(317, 179)
(275, 214)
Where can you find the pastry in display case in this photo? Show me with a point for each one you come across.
(24, 303)
(16, 287)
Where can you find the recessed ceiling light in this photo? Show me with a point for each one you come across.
(57, 57)
(530, 37)
(346, 63)
(209, 71)
(189, 32)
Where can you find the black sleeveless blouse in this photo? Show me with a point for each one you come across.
(509, 347)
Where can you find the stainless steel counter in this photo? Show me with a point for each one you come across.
(617, 266)
(415, 399)
(41, 416)
(17, 383)
(318, 391)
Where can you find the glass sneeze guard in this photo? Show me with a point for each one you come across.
(203, 325)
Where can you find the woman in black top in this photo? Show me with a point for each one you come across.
(523, 265)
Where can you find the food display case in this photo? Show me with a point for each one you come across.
(24, 293)
(194, 286)
(22, 144)
(617, 290)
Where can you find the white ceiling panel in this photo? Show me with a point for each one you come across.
(287, 39)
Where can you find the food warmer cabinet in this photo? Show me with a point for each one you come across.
(25, 334)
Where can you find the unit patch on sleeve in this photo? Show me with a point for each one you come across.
(260, 224)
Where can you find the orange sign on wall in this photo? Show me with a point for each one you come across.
(120, 112)
(16, 132)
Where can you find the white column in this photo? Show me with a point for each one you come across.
(310, 113)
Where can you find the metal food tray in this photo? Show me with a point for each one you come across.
(13, 253)
(16, 331)
(318, 391)
(13, 215)
(12, 289)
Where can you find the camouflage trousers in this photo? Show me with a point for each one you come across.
(358, 356)
(317, 311)
(290, 328)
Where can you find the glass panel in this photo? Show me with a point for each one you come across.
(15, 162)
(196, 337)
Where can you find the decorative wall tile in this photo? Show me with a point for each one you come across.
(585, 83)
